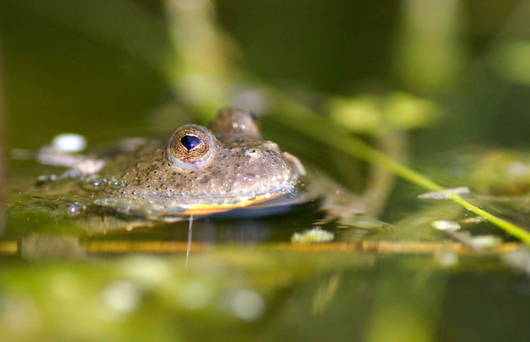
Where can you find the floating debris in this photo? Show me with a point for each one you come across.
(472, 220)
(446, 225)
(316, 234)
(444, 194)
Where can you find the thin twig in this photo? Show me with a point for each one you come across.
(185, 247)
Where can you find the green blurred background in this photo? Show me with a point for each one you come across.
(103, 66)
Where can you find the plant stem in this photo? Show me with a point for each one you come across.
(321, 129)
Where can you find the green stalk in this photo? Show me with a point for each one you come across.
(302, 119)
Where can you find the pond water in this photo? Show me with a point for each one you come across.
(65, 276)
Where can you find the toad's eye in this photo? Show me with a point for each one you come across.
(191, 147)
(190, 141)
(236, 122)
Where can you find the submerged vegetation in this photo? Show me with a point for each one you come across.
(422, 116)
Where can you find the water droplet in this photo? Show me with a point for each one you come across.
(116, 183)
(75, 208)
(94, 184)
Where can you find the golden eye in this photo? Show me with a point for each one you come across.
(190, 147)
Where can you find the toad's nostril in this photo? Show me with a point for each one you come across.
(269, 145)
(251, 152)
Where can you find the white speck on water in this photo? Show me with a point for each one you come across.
(69, 142)
(446, 225)
(121, 296)
(247, 304)
(444, 194)
(75, 208)
(316, 234)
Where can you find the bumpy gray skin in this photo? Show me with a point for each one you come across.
(242, 167)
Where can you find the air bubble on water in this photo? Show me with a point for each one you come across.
(69, 142)
(115, 183)
(94, 184)
(446, 225)
(75, 208)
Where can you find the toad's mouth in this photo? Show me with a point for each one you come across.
(207, 209)
(178, 209)
(174, 208)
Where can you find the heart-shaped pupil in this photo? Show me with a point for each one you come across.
(190, 141)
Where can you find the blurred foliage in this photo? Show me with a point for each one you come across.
(231, 294)
(373, 115)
